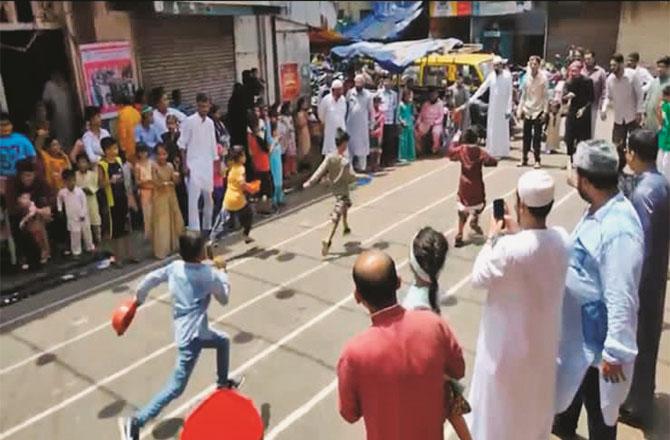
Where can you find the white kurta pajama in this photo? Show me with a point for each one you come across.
(332, 114)
(78, 222)
(500, 105)
(358, 125)
(512, 390)
(198, 138)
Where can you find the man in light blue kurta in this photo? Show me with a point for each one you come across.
(598, 342)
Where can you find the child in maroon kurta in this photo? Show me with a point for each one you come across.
(471, 194)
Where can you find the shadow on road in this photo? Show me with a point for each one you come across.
(112, 410)
(265, 415)
(168, 428)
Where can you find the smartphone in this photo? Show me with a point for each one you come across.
(499, 209)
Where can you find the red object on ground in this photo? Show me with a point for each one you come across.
(225, 414)
(123, 315)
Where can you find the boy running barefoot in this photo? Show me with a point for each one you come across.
(192, 284)
(341, 174)
(471, 194)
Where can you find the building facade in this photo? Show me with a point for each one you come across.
(519, 29)
(194, 46)
(644, 27)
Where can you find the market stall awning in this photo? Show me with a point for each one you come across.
(386, 23)
(396, 57)
(325, 36)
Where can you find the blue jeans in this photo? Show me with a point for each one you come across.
(187, 356)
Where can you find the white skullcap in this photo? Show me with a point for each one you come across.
(337, 84)
(536, 188)
(359, 77)
(597, 156)
(499, 60)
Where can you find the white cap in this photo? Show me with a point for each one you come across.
(337, 84)
(536, 188)
(499, 60)
(597, 156)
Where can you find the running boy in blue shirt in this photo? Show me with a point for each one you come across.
(192, 284)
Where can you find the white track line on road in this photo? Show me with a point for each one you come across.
(304, 409)
(130, 274)
(151, 302)
(98, 384)
(261, 223)
(324, 392)
(275, 346)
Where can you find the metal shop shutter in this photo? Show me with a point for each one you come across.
(194, 54)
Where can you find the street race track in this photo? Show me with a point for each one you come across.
(68, 376)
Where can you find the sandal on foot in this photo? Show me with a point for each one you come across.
(325, 247)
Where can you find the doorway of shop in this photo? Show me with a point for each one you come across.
(28, 59)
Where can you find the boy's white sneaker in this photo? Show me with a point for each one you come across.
(233, 383)
(129, 429)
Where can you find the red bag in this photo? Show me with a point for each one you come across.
(123, 315)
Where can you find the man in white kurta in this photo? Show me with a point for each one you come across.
(332, 111)
(499, 85)
(512, 390)
(198, 145)
(358, 123)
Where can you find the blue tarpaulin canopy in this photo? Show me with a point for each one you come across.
(386, 23)
(396, 57)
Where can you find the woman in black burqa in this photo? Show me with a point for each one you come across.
(236, 123)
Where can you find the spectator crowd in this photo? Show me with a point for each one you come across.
(164, 168)
(166, 165)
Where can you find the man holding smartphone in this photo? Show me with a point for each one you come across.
(523, 267)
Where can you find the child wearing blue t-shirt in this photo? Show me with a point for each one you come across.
(13, 147)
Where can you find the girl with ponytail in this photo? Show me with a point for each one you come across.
(427, 254)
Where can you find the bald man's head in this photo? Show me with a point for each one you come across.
(376, 279)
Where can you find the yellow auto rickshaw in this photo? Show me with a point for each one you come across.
(438, 70)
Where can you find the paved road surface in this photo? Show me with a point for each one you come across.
(65, 374)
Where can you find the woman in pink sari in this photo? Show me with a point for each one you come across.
(431, 120)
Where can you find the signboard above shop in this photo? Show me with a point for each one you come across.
(477, 8)
(108, 74)
(218, 7)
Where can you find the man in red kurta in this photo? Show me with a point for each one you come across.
(393, 373)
